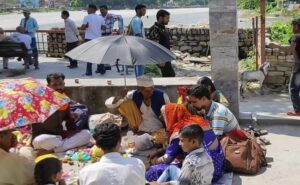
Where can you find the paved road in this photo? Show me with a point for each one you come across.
(183, 16)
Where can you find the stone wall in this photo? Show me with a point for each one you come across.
(196, 40)
(94, 92)
(192, 40)
(281, 67)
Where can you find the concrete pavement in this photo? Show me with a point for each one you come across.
(282, 156)
(270, 111)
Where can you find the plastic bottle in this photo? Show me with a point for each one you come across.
(130, 141)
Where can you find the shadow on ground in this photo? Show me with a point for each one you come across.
(57, 65)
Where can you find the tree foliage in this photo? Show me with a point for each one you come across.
(248, 4)
(132, 3)
(281, 32)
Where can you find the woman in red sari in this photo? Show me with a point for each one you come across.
(176, 117)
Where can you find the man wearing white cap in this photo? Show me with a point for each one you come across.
(149, 101)
(31, 26)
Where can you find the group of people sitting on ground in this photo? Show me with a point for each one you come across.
(148, 109)
(193, 154)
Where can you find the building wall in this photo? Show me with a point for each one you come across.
(281, 67)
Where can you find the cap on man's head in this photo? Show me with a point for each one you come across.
(144, 81)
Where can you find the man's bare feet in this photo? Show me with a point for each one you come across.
(293, 113)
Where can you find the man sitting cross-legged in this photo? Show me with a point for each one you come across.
(50, 135)
(148, 102)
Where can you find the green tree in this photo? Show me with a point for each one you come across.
(248, 4)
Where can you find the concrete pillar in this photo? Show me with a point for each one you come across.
(224, 49)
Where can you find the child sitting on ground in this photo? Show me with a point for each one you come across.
(48, 170)
(197, 168)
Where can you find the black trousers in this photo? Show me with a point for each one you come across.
(167, 70)
(71, 46)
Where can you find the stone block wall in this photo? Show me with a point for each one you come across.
(192, 40)
(196, 40)
(281, 67)
(56, 44)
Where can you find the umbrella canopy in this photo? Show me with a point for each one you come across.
(127, 50)
(27, 101)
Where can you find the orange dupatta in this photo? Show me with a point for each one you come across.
(177, 116)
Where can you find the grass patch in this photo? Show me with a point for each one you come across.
(249, 63)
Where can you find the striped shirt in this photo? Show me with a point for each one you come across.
(110, 20)
(221, 119)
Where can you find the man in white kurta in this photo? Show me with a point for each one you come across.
(112, 169)
(148, 99)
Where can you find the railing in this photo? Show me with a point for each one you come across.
(41, 38)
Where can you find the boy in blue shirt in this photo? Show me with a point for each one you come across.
(137, 27)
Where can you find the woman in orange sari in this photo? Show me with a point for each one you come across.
(176, 117)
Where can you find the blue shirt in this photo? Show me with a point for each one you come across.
(137, 27)
(30, 26)
(221, 119)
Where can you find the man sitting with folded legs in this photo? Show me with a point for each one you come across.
(148, 101)
(50, 135)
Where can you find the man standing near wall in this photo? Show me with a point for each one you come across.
(110, 20)
(137, 28)
(71, 35)
(159, 33)
(294, 48)
(93, 25)
(31, 26)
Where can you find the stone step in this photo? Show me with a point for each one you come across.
(268, 119)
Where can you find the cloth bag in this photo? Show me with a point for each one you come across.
(243, 156)
(98, 119)
(133, 115)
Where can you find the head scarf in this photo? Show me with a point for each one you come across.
(177, 116)
(181, 91)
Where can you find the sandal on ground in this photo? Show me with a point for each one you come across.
(265, 140)
(293, 113)
(256, 132)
